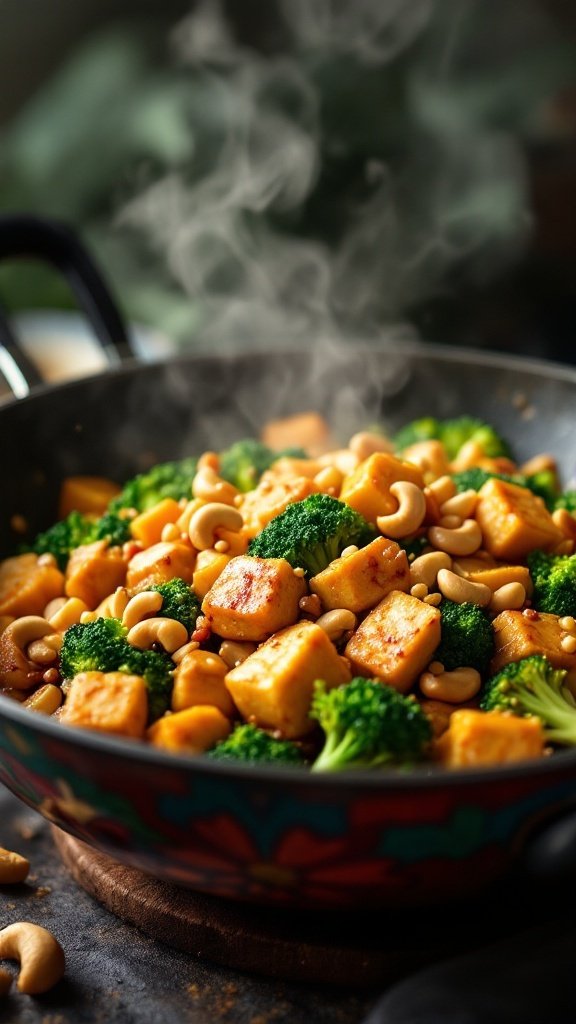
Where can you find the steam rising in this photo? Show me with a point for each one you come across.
(430, 186)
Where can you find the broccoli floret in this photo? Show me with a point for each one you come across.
(312, 533)
(65, 535)
(178, 602)
(467, 637)
(245, 461)
(543, 484)
(368, 724)
(249, 743)
(112, 527)
(76, 529)
(166, 480)
(101, 646)
(453, 434)
(554, 579)
(567, 501)
(533, 687)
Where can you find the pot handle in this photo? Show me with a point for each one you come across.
(51, 241)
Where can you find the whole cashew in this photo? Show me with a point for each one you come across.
(509, 596)
(336, 622)
(139, 607)
(460, 590)
(366, 443)
(425, 568)
(210, 487)
(168, 632)
(463, 504)
(409, 514)
(454, 687)
(41, 956)
(13, 867)
(209, 518)
(464, 540)
(28, 628)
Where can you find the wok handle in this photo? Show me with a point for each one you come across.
(50, 241)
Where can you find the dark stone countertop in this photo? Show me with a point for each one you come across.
(115, 973)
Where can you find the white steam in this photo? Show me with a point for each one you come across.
(231, 225)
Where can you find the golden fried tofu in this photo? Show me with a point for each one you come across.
(191, 731)
(273, 494)
(148, 526)
(94, 571)
(199, 679)
(107, 702)
(396, 640)
(483, 738)
(253, 597)
(361, 580)
(26, 586)
(367, 488)
(160, 563)
(514, 521)
(273, 687)
(306, 430)
(520, 634)
(209, 565)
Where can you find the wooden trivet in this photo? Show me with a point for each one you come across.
(323, 947)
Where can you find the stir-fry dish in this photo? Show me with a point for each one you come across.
(403, 600)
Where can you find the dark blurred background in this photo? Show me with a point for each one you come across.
(273, 171)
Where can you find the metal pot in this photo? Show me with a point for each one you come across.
(266, 834)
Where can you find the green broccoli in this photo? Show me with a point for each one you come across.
(63, 537)
(165, 480)
(312, 533)
(101, 646)
(76, 529)
(368, 724)
(467, 637)
(249, 743)
(178, 602)
(554, 579)
(542, 484)
(453, 434)
(245, 461)
(533, 687)
(567, 500)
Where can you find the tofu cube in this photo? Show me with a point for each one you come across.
(273, 494)
(367, 488)
(26, 586)
(94, 571)
(273, 687)
(514, 521)
(253, 597)
(479, 738)
(494, 575)
(191, 731)
(199, 679)
(396, 640)
(517, 635)
(158, 564)
(361, 580)
(148, 526)
(107, 702)
(209, 565)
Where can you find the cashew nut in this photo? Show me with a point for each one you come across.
(568, 643)
(170, 533)
(425, 568)
(443, 489)
(28, 628)
(464, 540)
(112, 607)
(458, 589)
(140, 607)
(41, 956)
(13, 867)
(462, 505)
(409, 514)
(208, 486)
(180, 653)
(67, 614)
(452, 687)
(430, 457)
(46, 700)
(42, 652)
(170, 633)
(366, 443)
(209, 518)
(235, 653)
(508, 597)
(337, 622)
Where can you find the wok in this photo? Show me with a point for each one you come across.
(272, 835)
